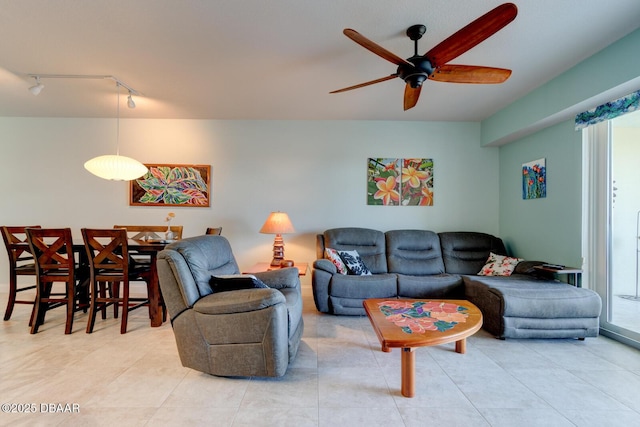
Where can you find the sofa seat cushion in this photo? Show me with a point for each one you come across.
(521, 327)
(375, 286)
(431, 286)
(347, 293)
(243, 300)
(524, 296)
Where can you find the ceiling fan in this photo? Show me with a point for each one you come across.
(434, 65)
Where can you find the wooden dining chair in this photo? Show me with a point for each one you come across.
(150, 232)
(110, 267)
(52, 250)
(214, 230)
(21, 263)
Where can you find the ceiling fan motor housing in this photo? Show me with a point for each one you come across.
(417, 74)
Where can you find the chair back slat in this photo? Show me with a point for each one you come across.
(107, 250)
(52, 249)
(15, 241)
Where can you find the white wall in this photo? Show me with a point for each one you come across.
(314, 170)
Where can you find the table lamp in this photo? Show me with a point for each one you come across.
(277, 223)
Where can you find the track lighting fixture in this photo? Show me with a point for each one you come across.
(130, 102)
(37, 88)
(113, 167)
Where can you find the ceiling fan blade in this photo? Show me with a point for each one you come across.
(472, 34)
(470, 74)
(392, 76)
(373, 47)
(411, 96)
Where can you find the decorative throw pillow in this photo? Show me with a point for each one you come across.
(334, 257)
(233, 282)
(354, 263)
(499, 265)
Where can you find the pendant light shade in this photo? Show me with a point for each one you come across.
(115, 167)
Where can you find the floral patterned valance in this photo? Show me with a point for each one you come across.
(608, 111)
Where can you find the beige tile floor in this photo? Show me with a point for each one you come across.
(340, 377)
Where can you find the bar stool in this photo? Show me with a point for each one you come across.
(110, 266)
(52, 249)
(21, 263)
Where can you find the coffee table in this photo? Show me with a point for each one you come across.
(411, 323)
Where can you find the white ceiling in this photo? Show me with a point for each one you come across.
(279, 59)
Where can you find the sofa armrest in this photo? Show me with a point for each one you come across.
(240, 301)
(280, 278)
(325, 265)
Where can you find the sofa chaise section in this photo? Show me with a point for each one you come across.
(522, 306)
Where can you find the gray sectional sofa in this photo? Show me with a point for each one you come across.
(425, 264)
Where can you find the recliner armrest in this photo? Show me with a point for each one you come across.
(326, 265)
(281, 278)
(240, 301)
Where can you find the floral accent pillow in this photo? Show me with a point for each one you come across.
(333, 256)
(354, 263)
(499, 265)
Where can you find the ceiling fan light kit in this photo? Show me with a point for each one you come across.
(433, 65)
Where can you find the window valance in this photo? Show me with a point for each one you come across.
(608, 111)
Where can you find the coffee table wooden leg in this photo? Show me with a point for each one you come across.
(408, 372)
(461, 346)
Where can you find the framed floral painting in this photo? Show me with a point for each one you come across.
(172, 185)
(400, 182)
(534, 179)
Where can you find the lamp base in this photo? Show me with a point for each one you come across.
(278, 251)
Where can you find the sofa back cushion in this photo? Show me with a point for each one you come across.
(370, 245)
(466, 252)
(414, 252)
(205, 256)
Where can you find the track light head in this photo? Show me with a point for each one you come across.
(37, 88)
(130, 102)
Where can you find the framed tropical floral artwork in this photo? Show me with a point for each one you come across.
(534, 179)
(172, 185)
(399, 182)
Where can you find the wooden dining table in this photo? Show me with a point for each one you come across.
(151, 248)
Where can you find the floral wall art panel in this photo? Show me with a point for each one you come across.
(399, 182)
(534, 179)
(172, 185)
(417, 182)
(383, 182)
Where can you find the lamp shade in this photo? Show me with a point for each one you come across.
(116, 167)
(277, 223)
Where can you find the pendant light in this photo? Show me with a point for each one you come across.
(116, 167)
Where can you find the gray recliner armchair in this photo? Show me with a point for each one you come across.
(246, 332)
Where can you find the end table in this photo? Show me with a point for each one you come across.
(266, 266)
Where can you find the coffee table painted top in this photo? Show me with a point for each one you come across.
(417, 323)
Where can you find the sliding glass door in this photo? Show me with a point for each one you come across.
(625, 221)
(611, 222)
